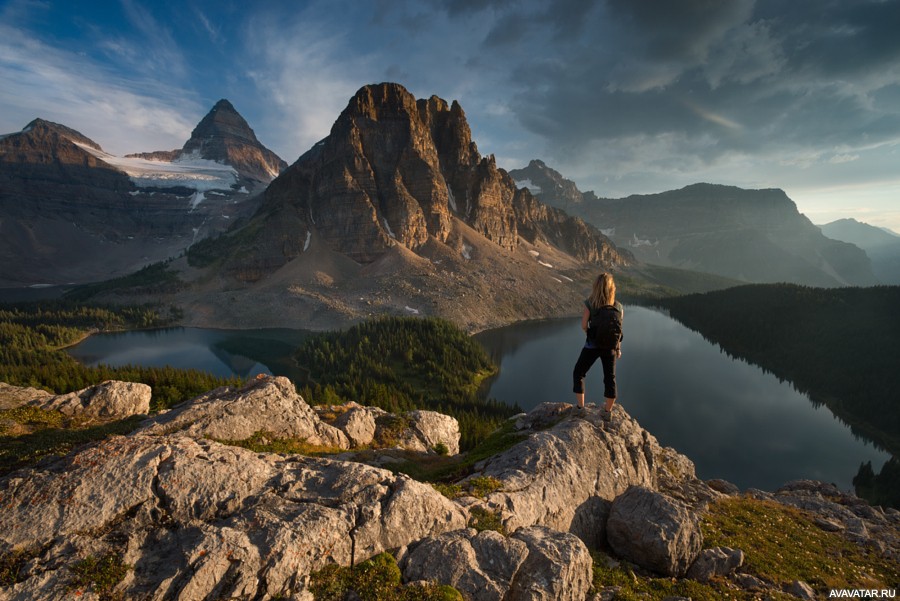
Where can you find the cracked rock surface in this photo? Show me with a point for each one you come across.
(568, 471)
(197, 519)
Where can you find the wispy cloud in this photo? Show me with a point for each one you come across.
(38, 80)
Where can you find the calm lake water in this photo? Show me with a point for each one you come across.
(732, 419)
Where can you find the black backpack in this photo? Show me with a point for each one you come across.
(605, 327)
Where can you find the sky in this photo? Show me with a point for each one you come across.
(621, 96)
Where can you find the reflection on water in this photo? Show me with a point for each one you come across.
(735, 421)
(732, 419)
(242, 353)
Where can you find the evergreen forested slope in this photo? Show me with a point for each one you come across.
(841, 346)
(400, 364)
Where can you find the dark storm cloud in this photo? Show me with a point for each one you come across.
(747, 74)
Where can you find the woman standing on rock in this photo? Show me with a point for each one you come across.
(602, 322)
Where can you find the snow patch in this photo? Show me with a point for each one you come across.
(244, 190)
(635, 242)
(529, 185)
(308, 238)
(451, 199)
(568, 279)
(534, 253)
(411, 310)
(557, 279)
(546, 264)
(387, 226)
(610, 231)
(197, 198)
(466, 251)
(190, 171)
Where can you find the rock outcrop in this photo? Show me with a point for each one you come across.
(534, 564)
(196, 518)
(654, 531)
(108, 400)
(193, 518)
(268, 405)
(565, 476)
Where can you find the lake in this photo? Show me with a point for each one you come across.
(732, 419)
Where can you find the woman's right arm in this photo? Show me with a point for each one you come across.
(584, 319)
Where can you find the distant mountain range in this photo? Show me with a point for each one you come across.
(396, 211)
(882, 246)
(70, 212)
(751, 235)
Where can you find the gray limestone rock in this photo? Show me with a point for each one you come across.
(800, 589)
(198, 519)
(434, 428)
(269, 405)
(533, 564)
(480, 565)
(358, 423)
(558, 567)
(14, 396)
(564, 476)
(654, 531)
(719, 561)
(108, 400)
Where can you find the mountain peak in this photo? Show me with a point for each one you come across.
(223, 135)
(42, 127)
(222, 121)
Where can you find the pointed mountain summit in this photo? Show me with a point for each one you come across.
(396, 170)
(397, 212)
(223, 135)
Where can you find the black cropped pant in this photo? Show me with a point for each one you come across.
(586, 359)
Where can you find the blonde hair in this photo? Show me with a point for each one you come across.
(604, 292)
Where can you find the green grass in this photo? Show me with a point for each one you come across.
(780, 543)
(377, 579)
(49, 433)
(267, 442)
(443, 469)
(100, 575)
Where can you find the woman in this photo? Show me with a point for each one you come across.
(602, 299)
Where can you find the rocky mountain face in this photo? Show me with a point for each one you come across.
(751, 235)
(549, 185)
(395, 170)
(224, 136)
(882, 247)
(72, 213)
(193, 516)
(397, 207)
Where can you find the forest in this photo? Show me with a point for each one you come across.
(33, 336)
(839, 346)
(400, 364)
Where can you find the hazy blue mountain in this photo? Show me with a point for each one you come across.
(750, 235)
(882, 245)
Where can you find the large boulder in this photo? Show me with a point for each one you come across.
(571, 466)
(108, 400)
(654, 531)
(533, 564)
(718, 561)
(15, 396)
(269, 405)
(197, 519)
(419, 430)
(430, 429)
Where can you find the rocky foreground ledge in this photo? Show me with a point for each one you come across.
(197, 518)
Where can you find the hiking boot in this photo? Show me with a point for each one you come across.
(605, 415)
